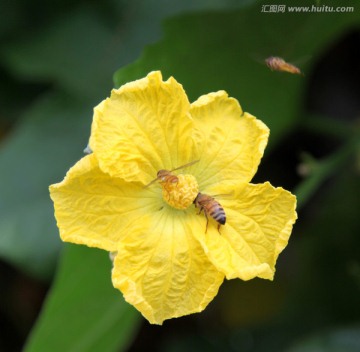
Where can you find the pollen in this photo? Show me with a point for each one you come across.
(181, 194)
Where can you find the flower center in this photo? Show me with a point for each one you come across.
(182, 193)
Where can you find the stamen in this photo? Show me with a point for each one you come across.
(181, 194)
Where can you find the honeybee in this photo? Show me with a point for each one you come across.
(278, 64)
(166, 176)
(211, 207)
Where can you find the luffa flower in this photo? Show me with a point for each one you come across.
(167, 263)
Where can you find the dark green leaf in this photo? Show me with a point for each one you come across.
(47, 142)
(73, 61)
(81, 50)
(83, 312)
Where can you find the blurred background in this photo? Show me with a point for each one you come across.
(59, 59)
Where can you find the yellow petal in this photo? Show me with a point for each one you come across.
(258, 226)
(164, 271)
(230, 142)
(143, 127)
(95, 209)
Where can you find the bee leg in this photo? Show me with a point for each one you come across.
(207, 221)
(219, 228)
(201, 209)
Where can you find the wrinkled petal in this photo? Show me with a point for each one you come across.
(258, 227)
(230, 142)
(143, 127)
(95, 209)
(164, 271)
(170, 262)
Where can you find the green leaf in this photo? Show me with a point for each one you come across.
(74, 63)
(86, 48)
(221, 50)
(83, 312)
(45, 144)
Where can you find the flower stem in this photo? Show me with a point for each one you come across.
(328, 126)
(324, 169)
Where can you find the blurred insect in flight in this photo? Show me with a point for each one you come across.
(166, 176)
(278, 64)
(211, 207)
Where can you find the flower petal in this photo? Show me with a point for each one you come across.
(231, 142)
(164, 271)
(94, 209)
(143, 127)
(258, 226)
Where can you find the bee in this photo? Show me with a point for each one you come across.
(166, 176)
(278, 64)
(211, 207)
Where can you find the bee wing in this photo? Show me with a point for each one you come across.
(185, 165)
(300, 61)
(149, 184)
(223, 195)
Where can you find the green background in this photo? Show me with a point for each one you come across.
(58, 60)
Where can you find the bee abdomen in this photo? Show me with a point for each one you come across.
(218, 214)
(220, 218)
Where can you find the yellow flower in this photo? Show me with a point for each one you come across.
(169, 262)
